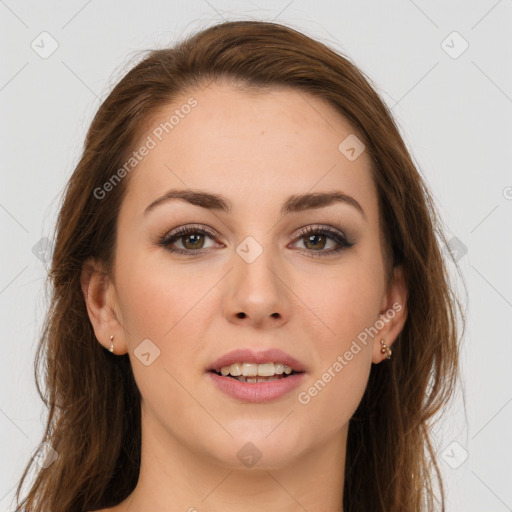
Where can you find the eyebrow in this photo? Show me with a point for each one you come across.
(294, 203)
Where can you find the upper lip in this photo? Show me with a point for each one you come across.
(246, 355)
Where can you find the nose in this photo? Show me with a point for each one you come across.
(256, 292)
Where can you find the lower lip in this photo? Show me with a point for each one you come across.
(257, 392)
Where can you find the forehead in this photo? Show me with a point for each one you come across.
(251, 144)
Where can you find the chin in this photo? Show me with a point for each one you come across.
(254, 450)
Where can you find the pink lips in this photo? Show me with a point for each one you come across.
(273, 355)
(258, 391)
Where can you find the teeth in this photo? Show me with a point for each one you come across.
(279, 368)
(254, 380)
(254, 370)
(235, 370)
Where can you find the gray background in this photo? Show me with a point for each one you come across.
(453, 108)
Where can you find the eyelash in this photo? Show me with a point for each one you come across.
(331, 233)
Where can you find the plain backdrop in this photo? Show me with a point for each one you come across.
(444, 68)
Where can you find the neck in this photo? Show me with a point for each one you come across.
(175, 476)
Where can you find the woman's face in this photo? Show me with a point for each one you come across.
(256, 280)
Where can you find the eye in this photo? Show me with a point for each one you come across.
(190, 237)
(315, 239)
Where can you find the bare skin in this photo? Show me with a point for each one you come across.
(256, 151)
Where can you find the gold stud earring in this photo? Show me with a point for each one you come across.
(385, 350)
(111, 349)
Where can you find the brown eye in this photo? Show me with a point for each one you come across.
(315, 241)
(316, 238)
(194, 240)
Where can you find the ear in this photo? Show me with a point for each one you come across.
(393, 314)
(102, 308)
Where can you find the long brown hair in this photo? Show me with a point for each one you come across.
(92, 399)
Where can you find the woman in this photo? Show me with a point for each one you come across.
(251, 308)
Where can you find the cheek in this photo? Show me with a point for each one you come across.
(348, 305)
(334, 393)
(164, 304)
(145, 298)
(345, 300)
(164, 301)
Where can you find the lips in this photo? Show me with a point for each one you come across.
(273, 355)
(260, 392)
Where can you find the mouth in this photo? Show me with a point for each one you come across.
(251, 363)
(258, 388)
(256, 378)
